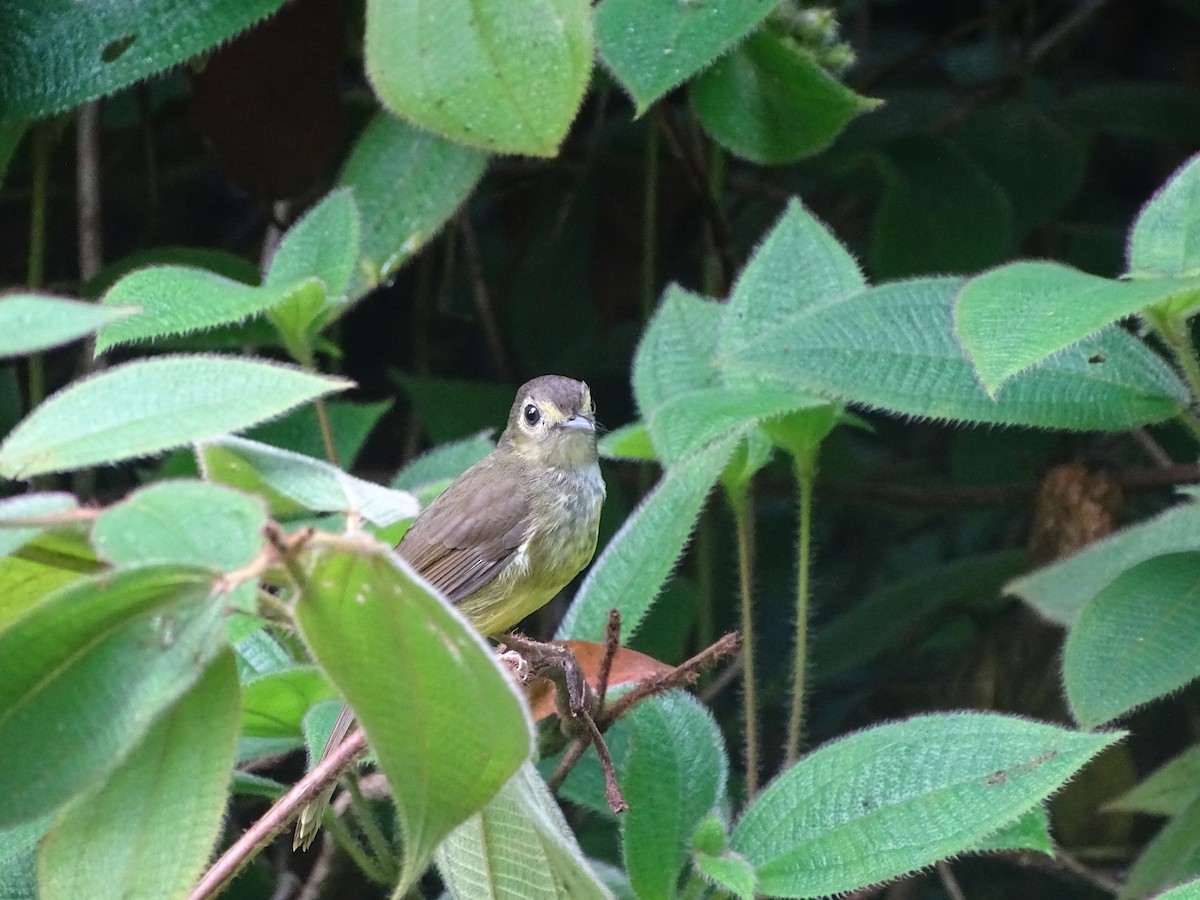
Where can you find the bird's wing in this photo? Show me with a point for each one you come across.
(469, 534)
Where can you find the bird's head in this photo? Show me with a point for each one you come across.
(553, 422)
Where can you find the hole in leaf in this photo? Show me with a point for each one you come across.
(114, 50)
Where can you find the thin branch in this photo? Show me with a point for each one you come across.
(612, 790)
(278, 817)
(612, 643)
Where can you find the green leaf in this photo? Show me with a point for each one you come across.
(186, 522)
(1189, 891)
(908, 605)
(798, 267)
(407, 182)
(431, 473)
(1110, 381)
(33, 322)
(24, 582)
(180, 299)
(1038, 164)
(435, 686)
(222, 262)
(728, 870)
(151, 405)
(85, 673)
(323, 244)
(504, 75)
(1136, 641)
(18, 859)
(55, 54)
(110, 844)
(676, 350)
(1059, 591)
(1165, 239)
(652, 48)
(630, 441)
(770, 101)
(691, 421)
(1030, 832)
(518, 847)
(1159, 111)
(898, 797)
(637, 561)
(1012, 318)
(25, 507)
(1172, 857)
(450, 409)
(274, 705)
(300, 430)
(300, 482)
(939, 213)
(1166, 792)
(674, 776)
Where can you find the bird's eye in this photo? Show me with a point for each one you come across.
(532, 415)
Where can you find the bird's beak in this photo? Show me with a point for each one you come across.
(579, 423)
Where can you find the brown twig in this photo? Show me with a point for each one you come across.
(278, 817)
(612, 643)
(612, 790)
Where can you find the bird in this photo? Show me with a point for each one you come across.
(511, 531)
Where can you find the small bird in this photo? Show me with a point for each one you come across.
(511, 531)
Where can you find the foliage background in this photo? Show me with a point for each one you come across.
(1029, 129)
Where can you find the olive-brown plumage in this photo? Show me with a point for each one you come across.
(511, 531)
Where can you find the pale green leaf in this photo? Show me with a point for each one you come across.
(504, 75)
(1137, 640)
(275, 704)
(420, 680)
(55, 54)
(85, 673)
(898, 797)
(1171, 858)
(1189, 891)
(676, 350)
(33, 322)
(673, 777)
(323, 244)
(1110, 381)
(24, 582)
(799, 267)
(180, 299)
(630, 441)
(307, 483)
(25, 507)
(518, 847)
(637, 561)
(1059, 591)
(1167, 791)
(771, 102)
(688, 422)
(1165, 239)
(186, 522)
(18, 858)
(431, 473)
(730, 871)
(110, 844)
(651, 48)
(150, 405)
(407, 182)
(1011, 318)
(1030, 832)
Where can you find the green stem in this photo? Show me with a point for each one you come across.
(711, 277)
(36, 269)
(805, 476)
(326, 430)
(1176, 334)
(341, 834)
(381, 848)
(743, 519)
(649, 220)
